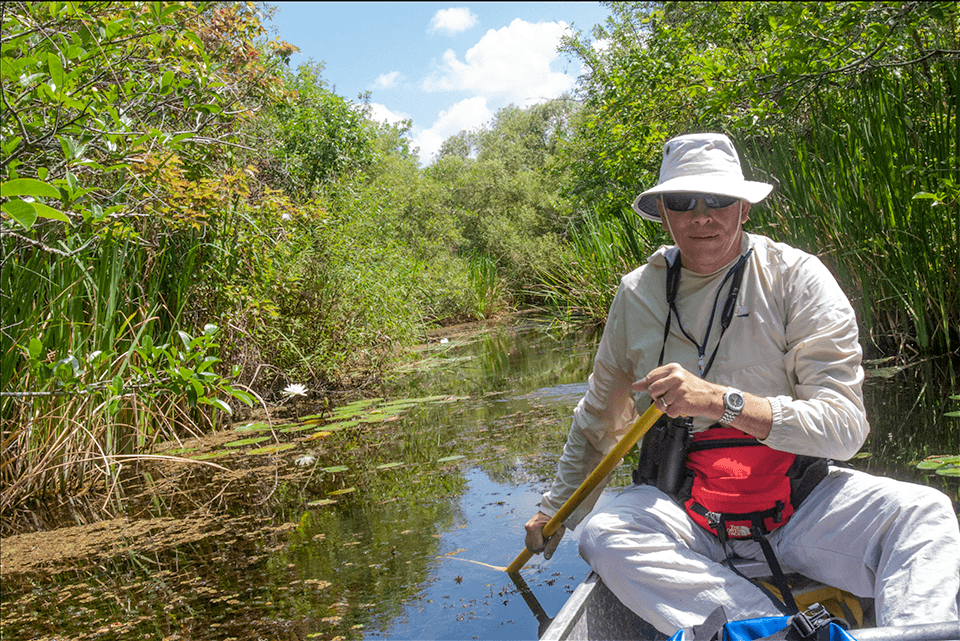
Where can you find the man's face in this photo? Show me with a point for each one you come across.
(708, 238)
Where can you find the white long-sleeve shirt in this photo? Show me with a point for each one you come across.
(793, 339)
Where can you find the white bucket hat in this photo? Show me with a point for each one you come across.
(701, 163)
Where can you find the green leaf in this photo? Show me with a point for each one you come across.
(272, 449)
(20, 211)
(336, 468)
(35, 349)
(56, 70)
(28, 187)
(934, 462)
(244, 397)
(253, 440)
(253, 427)
(216, 402)
(49, 212)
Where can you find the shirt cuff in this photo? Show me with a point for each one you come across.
(776, 407)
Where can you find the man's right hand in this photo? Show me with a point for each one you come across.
(534, 539)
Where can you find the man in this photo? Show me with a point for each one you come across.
(789, 341)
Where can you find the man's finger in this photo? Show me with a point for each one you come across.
(553, 542)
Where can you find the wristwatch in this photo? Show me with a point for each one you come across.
(733, 404)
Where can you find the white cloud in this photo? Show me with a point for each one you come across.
(453, 20)
(466, 114)
(380, 113)
(387, 80)
(513, 61)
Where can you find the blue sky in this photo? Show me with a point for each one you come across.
(447, 67)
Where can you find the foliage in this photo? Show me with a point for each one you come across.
(163, 172)
(885, 215)
(497, 183)
(320, 136)
(114, 116)
(581, 286)
(824, 96)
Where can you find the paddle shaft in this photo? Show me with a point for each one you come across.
(610, 461)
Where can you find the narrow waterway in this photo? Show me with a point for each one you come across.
(384, 519)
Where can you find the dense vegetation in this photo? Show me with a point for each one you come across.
(189, 225)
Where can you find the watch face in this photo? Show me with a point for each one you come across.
(734, 400)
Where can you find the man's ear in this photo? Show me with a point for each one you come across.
(744, 211)
(663, 219)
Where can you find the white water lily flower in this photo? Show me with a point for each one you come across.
(295, 389)
(305, 460)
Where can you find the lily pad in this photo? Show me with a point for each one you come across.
(180, 451)
(376, 417)
(949, 470)
(320, 502)
(356, 407)
(253, 427)
(253, 440)
(298, 428)
(273, 449)
(935, 462)
(339, 425)
(316, 435)
(209, 455)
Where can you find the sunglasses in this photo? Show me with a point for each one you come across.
(687, 201)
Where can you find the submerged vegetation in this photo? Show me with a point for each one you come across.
(189, 225)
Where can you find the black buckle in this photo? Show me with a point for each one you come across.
(807, 623)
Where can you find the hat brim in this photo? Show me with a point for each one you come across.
(751, 191)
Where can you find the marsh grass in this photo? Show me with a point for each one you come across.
(872, 187)
(92, 372)
(581, 287)
(490, 294)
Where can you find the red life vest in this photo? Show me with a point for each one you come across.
(739, 482)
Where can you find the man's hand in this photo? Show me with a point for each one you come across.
(677, 392)
(534, 539)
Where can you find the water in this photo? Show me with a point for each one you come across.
(390, 531)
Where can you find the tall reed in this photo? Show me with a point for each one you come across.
(872, 186)
(92, 370)
(489, 288)
(582, 285)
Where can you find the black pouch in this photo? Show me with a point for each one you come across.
(663, 454)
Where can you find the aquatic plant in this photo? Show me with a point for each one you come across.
(489, 288)
(872, 187)
(581, 286)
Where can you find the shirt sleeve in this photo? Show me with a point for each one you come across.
(601, 418)
(825, 416)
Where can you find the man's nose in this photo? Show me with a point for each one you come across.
(701, 213)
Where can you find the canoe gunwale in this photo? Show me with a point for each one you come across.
(571, 622)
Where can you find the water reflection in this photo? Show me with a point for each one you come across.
(386, 532)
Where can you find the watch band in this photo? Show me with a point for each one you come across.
(733, 403)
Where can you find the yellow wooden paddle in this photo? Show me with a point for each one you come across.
(610, 461)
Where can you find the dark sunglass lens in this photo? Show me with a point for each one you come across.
(679, 202)
(718, 202)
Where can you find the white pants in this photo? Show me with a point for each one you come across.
(872, 536)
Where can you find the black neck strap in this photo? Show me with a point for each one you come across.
(735, 276)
